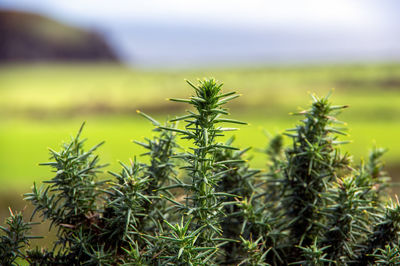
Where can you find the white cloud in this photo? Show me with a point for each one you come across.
(246, 13)
(150, 30)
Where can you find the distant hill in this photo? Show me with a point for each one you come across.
(31, 37)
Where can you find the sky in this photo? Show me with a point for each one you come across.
(183, 32)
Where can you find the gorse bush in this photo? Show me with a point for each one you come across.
(205, 205)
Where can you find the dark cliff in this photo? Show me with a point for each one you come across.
(31, 37)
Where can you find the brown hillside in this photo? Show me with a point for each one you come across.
(31, 37)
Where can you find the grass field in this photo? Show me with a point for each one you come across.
(41, 105)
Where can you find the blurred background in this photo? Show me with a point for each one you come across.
(65, 62)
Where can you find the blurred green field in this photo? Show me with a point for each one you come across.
(42, 105)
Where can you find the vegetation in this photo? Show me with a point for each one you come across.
(35, 115)
(203, 204)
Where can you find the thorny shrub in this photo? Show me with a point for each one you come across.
(205, 205)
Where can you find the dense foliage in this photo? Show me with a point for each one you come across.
(206, 205)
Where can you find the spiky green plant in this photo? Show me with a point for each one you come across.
(240, 181)
(312, 163)
(183, 249)
(313, 255)
(389, 255)
(385, 232)
(203, 126)
(205, 205)
(70, 199)
(16, 237)
(345, 219)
